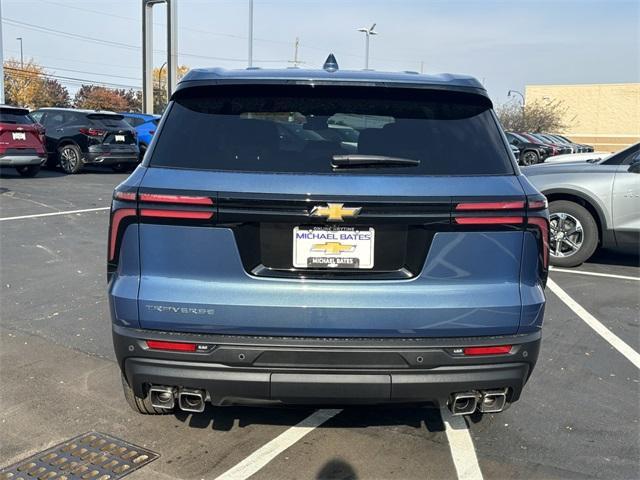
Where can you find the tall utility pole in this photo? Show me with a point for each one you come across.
(147, 50)
(21, 54)
(1, 61)
(367, 32)
(250, 60)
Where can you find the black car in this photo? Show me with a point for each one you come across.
(585, 148)
(559, 148)
(530, 153)
(75, 138)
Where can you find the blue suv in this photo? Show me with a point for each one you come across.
(145, 126)
(407, 266)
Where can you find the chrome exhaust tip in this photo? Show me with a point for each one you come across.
(493, 401)
(162, 397)
(191, 400)
(464, 403)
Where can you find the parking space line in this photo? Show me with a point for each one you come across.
(53, 214)
(261, 457)
(463, 452)
(593, 322)
(596, 274)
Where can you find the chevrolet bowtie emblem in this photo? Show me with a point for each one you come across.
(335, 212)
(332, 248)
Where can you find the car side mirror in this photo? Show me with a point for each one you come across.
(634, 167)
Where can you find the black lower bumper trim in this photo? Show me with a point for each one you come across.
(306, 371)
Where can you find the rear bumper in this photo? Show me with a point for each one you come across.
(106, 155)
(14, 160)
(247, 370)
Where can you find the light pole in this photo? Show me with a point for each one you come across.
(250, 62)
(21, 55)
(522, 97)
(367, 32)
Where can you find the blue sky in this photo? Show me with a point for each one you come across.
(504, 44)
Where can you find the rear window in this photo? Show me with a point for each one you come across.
(108, 121)
(15, 115)
(302, 129)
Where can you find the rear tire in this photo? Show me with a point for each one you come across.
(140, 405)
(70, 158)
(529, 157)
(28, 170)
(575, 248)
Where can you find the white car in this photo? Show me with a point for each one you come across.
(574, 157)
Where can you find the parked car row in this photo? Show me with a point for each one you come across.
(537, 147)
(72, 138)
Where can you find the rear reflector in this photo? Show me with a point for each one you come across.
(176, 346)
(490, 206)
(499, 350)
(488, 220)
(188, 214)
(181, 199)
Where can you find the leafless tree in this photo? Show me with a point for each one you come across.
(538, 116)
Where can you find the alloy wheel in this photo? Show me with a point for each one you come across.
(567, 234)
(68, 159)
(529, 158)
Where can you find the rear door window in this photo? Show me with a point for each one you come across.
(302, 129)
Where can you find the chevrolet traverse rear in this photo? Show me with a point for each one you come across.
(407, 265)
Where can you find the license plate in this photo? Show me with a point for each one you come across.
(341, 247)
(119, 138)
(19, 135)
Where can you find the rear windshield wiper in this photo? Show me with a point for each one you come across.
(355, 161)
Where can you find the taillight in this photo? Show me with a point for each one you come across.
(543, 224)
(495, 350)
(184, 207)
(490, 206)
(489, 220)
(175, 346)
(92, 132)
(151, 132)
(493, 207)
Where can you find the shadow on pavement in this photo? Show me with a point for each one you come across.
(615, 257)
(226, 418)
(335, 469)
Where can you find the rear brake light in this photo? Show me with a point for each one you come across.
(125, 196)
(488, 220)
(92, 132)
(497, 350)
(116, 219)
(543, 225)
(176, 346)
(490, 206)
(190, 214)
(181, 199)
(538, 204)
(151, 132)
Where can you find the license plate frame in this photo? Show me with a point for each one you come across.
(324, 248)
(19, 136)
(120, 138)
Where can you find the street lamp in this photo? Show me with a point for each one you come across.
(522, 97)
(250, 53)
(367, 32)
(21, 56)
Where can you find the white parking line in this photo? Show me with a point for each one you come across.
(595, 274)
(604, 332)
(261, 457)
(53, 214)
(463, 452)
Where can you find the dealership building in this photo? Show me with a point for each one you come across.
(605, 115)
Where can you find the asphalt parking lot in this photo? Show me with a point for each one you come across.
(578, 416)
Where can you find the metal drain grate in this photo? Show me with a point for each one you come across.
(90, 456)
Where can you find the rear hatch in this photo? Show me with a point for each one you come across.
(420, 232)
(112, 131)
(19, 134)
